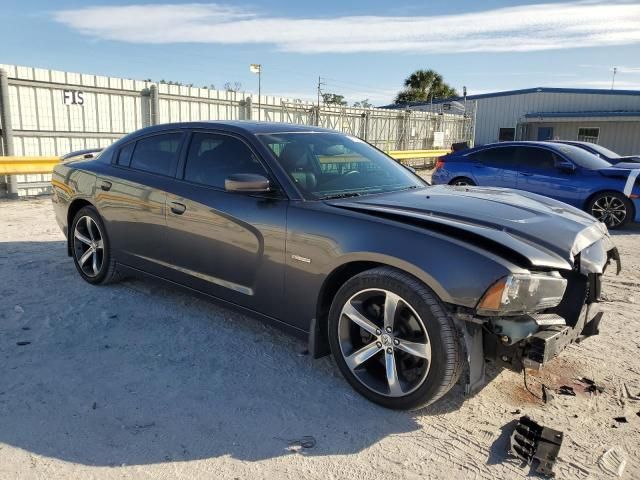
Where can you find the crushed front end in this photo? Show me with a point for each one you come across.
(567, 311)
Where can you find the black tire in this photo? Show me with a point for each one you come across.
(612, 208)
(446, 353)
(106, 271)
(462, 181)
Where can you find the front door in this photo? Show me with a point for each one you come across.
(540, 174)
(227, 244)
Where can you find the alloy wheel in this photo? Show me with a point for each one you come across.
(384, 342)
(609, 210)
(88, 246)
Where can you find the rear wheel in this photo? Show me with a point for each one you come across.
(91, 248)
(611, 208)
(393, 340)
(462, 181)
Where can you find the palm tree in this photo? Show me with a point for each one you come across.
(425, 85)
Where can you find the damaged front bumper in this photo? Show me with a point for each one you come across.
(531, 341)
(544, 345)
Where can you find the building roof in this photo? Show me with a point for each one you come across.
(585, 91)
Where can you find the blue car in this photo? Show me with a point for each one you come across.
(564, 172)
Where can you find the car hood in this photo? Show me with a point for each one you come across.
(529, 229)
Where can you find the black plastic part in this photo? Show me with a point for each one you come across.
(531, 441)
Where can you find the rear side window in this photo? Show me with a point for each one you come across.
(157, 154)
(124, 157)
(213, 157)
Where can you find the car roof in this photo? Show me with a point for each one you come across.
(244, 126)
(519, 143)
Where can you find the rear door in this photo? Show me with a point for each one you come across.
(132, 199)
(227, 244)
(495, 167)
(539, 173)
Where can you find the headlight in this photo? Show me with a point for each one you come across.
(521, 293)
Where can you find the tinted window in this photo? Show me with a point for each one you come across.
(582, 158)
(157, 154)
(503, 157)
(540, 158)
(212, 158)
(124, 157)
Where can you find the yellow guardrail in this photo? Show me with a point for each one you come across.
(407, 154)
(26, 165)
(30, 165)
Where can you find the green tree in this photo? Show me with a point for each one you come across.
(363, 104)
(333, 99)
(424, 85)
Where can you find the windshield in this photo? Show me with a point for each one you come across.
(332, 165)
(582, 158)
(603, 151)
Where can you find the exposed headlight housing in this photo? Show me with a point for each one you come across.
(521, 293)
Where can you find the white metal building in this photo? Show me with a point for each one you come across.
(608, 117)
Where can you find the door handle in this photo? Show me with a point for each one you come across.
(479, 165)
(178, 208)
(106, 186)
(526, 174)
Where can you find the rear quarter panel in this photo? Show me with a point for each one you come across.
(71, 181)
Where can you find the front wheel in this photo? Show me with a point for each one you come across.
(393, 340)
(611, 208)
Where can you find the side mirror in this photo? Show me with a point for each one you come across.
(566, 166)
(247, 183)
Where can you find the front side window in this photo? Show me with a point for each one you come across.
(213, 157)
(156, 154)
(536, 158)
(326, 165)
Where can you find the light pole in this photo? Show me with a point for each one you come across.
(613, 80)
(257, 68)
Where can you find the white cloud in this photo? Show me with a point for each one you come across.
(513, 29)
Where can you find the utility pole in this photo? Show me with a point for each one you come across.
(320, 85)
(613, 80)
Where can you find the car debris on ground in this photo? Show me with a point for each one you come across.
(531, 441)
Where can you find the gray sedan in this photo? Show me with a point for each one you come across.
(409, 286)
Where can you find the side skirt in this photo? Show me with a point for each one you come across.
(126, 270)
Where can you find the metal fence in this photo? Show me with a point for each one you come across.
(49, 112)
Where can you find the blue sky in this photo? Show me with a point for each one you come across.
(362, 48)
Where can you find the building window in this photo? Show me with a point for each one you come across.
(506, 134)
(588, 134)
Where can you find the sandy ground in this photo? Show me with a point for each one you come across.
(137, 380)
